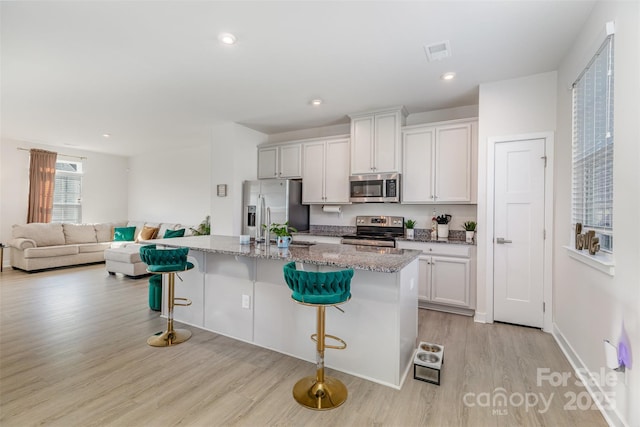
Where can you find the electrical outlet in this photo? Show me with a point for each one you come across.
(246, 301)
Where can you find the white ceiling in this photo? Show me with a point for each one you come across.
(154, 76)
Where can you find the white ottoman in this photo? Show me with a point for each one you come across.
(125, 260)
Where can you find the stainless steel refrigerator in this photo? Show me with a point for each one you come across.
(281, 199)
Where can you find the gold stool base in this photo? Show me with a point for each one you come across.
(320, 396)
(167, 338)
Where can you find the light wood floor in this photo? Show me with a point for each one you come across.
(73, 352)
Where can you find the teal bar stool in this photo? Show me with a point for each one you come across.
(169, 262)
(155, 292)
(320, 290)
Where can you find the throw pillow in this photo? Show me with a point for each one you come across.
(148, 233)
(174, 233)
(124, 234)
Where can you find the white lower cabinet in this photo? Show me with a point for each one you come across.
(450, 281)
(446, 276)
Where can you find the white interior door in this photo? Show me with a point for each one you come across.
(519, 232)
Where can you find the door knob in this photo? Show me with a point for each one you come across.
(502, 241)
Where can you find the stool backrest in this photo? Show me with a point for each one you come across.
(164, 260)
(311, 287)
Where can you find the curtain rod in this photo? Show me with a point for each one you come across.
(65, 155)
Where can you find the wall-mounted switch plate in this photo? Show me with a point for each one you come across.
(246, 301)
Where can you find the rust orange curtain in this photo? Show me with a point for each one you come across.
(42, 177)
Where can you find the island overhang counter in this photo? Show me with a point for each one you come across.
(239, 291)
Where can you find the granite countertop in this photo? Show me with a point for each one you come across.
(445, 241)
(383, 260)
(327, 233)
(420, 238)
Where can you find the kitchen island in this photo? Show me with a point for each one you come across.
(239, 291)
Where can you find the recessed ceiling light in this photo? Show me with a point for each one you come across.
(316, 102)
(448, 76)
(227, 38)
(106, 135)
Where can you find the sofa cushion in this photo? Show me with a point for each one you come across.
(166, 226)
(79, 233)
(51, 251)
(93, 247)
(129, 254)
(148, 233)
(104, 232)
(124, 234)
(41, 233)
(169, 234)
(138, 225)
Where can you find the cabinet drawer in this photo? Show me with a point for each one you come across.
(445, 249)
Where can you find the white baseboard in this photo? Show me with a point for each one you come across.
(595, 390)
(480, 317)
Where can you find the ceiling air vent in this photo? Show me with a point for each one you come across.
(438, 51)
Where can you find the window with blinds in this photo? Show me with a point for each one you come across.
(592, 160)
(67, 192)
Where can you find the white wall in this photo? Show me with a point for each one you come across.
(421, 213)
(171, 186)
(510, 107)
(590, 306)
(465, 112)
(234, 159)
(104, 185)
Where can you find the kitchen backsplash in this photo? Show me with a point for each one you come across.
(336, 230)
(420, 213)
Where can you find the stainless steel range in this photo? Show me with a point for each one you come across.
(376, 231)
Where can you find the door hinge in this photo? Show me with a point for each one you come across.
(544, 307)
(544, 234)
(545, 160)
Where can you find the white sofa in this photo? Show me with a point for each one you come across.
(124, 257)
(39, 246)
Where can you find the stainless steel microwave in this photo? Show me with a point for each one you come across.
(380, 188)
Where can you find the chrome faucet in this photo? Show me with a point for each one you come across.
(267, 231)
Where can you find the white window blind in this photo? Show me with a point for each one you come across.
(592, 160)
(67, 192)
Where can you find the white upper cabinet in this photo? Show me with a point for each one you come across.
(375, 141)
(417, 174)
(268, 162)
(280, 161)
(452, 162)
(325, 177)
(362, 145)
(439, 163)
